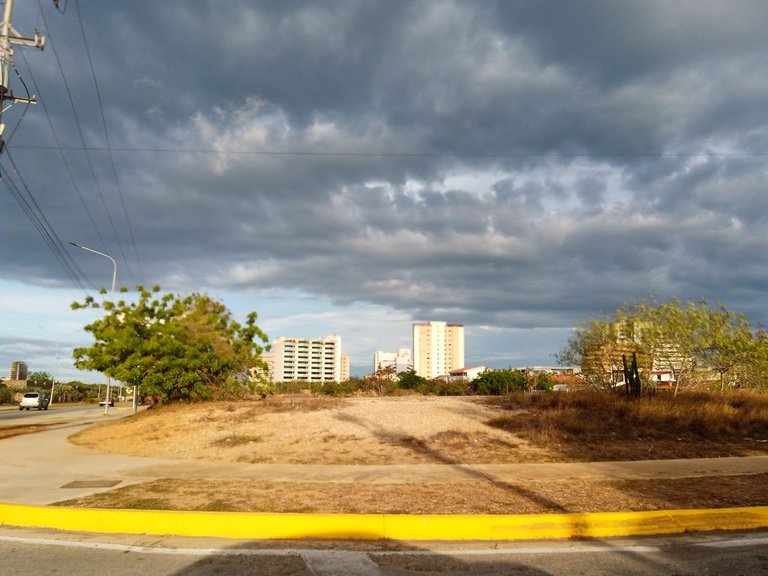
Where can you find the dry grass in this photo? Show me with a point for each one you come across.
(19, 430)
(320, 430)
(531, 497)
(593, 426)
(413, 429)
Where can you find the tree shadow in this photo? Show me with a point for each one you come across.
(423, 449)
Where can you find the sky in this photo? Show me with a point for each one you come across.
(354, 166)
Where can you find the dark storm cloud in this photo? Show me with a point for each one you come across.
(499, 163)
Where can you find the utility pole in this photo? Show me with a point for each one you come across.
(8, 37)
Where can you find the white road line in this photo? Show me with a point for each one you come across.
(340, 562)
(306, 553)
(522, 551)
(735, 543)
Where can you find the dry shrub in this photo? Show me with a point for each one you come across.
(593, 416)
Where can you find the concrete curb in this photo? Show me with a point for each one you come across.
(259, 526)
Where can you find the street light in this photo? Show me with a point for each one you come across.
(112, 295)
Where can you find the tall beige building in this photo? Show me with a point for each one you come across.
(438, 348)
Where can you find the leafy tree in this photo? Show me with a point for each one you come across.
(411, 381)
(597, 348)
(383, 380)
(496, 382)
(173, 348)
(543, 381)
(6, 396)
(692, 341)
(755, 373)
(40, 380)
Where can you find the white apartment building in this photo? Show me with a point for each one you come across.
(438, 348)
(309, 359)
(401, 360)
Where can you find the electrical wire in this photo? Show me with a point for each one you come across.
(29, 205)
(109, 153)
(59, 147)
(23, 112)
(52, 46)
(427, 155)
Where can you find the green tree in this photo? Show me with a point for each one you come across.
(173, 348)
(597, 347)
(411, 381)
(383, 380)
(543, 381)
(693, 341)
(496, 382)
(40, 380)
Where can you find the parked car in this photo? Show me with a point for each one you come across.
(34, 400)
(103, 402)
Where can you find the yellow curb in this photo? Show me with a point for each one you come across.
(260, 526)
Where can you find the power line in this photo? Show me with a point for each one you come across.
(387, 154)
(106, 139)
(63, 156)
(80, 130)
(29, 205)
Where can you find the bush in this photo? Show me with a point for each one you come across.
(6, 396)
(346, 388)
(497, 382)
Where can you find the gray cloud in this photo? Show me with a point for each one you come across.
(510, 164)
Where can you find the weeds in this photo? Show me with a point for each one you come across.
(601, 420)
(237, 440)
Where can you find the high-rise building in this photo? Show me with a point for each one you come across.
(400, 360)
(308, 359)
(344, 368)
(269, 359)
(438, 348)
(18, 371)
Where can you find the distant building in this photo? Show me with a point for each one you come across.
(344, 368)
(269, 359)
(554, 370)
(401, 360)
(438, 348)
(309, 359)
(18, 370)
(466, 374)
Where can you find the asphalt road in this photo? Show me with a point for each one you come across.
(12, 415)
(27, 553)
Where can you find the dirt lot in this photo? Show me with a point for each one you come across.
(396, 430)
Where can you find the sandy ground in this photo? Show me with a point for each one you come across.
(390, 430)
(310, 430)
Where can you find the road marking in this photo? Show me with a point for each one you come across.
(527, 551)
(736, 543)
(308, 552)
(321, 562)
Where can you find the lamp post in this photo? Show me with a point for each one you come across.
(112, 296)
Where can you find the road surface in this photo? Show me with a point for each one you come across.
(26, 553)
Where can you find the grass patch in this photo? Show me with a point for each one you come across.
(478, 497)
(603, 426)
(237, 440)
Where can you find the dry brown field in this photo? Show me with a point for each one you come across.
(305, 429)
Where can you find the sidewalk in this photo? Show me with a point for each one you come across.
(45, 467)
